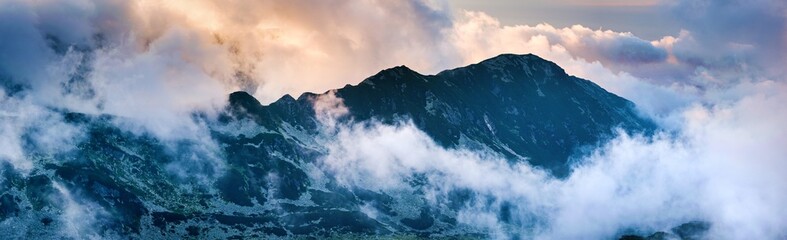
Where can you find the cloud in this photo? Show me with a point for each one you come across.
(153, 65)
(478, 35)
(80, 219)
(724, 24)
(104, 64)
(27, 129)
(269, 42)
(328, 109)
(725, 165)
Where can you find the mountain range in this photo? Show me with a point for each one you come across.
(521, 107)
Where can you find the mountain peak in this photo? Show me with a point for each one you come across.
(527, 62)
(399, 69)
(242, 101)
(241, 97)
(394, 73)
(510, 58)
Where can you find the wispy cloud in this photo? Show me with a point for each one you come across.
(80, 219)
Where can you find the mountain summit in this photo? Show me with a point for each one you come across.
(522, 107)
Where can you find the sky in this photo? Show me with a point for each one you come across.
(711, 73)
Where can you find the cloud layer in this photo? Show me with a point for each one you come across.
(725, 166)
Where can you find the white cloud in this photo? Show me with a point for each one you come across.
(328, 109)
(725, 165)
(27, 129)
(80, 219)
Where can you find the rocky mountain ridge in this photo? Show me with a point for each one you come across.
(522, 107)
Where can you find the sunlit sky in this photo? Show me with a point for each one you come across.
(645, 18)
